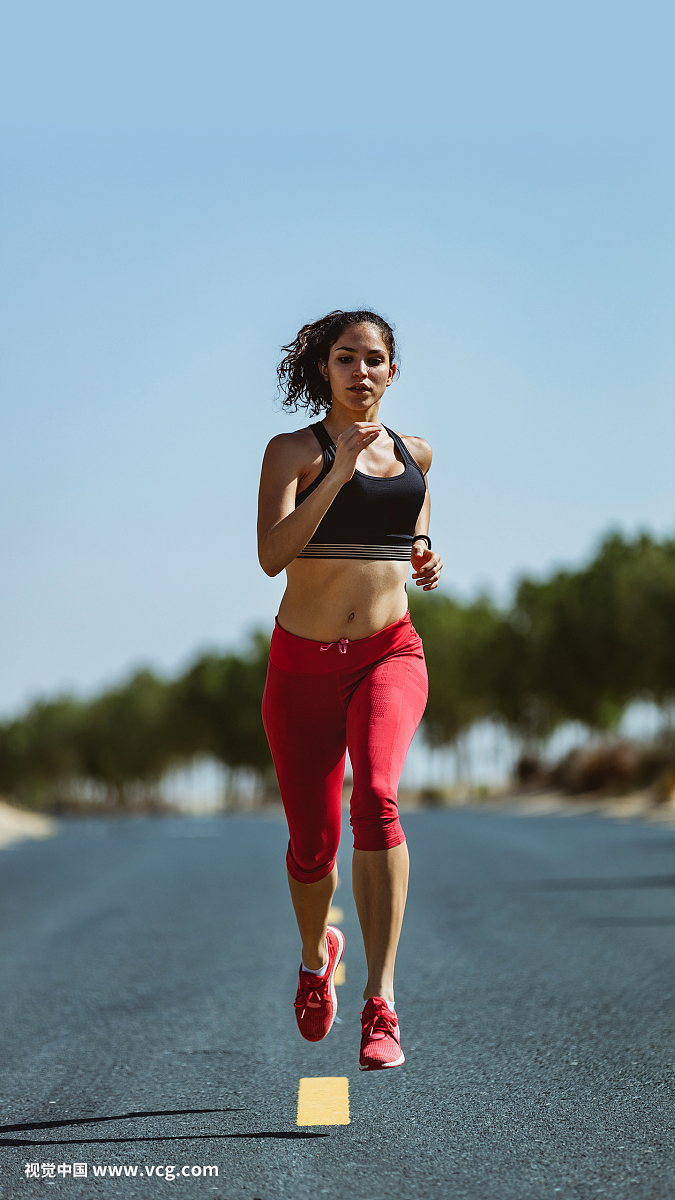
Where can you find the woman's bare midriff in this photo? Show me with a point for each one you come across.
(329, 599)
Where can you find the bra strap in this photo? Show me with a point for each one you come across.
(403, 449)
(322, 436)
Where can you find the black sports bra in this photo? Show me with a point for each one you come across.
(371, 516)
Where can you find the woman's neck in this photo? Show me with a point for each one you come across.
(337, 419)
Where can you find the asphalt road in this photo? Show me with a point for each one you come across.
(148, 973)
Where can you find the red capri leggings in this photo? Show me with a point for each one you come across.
(367, 696)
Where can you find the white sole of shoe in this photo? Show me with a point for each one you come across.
(333, 994)
(384, 1066)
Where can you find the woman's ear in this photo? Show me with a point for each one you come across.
(323, 368)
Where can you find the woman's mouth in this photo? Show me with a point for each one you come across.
(359, 387)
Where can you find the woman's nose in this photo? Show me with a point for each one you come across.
(361, 369)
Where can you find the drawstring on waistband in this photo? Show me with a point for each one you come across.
(342, 645)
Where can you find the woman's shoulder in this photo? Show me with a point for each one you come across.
(297, 445)
(420, 450)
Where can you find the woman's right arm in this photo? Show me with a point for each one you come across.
(283, 529)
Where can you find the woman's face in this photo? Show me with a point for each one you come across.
(358, 368)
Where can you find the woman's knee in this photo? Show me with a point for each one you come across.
(306, 867)
(374, 813)
(377, 833)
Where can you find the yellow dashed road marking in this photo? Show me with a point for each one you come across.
(335, 915)
(323, 1102)
(340, 974)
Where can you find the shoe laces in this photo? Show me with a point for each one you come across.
(380, 1025)
(307, 989)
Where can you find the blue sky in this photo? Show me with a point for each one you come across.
(183, 186)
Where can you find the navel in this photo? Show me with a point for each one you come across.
(350, 617)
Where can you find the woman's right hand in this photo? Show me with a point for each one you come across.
(350, 444)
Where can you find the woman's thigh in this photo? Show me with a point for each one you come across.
(383, 714)
(305, 725)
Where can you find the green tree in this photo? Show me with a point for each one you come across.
(457, 640)
(597, 638)
(40, 751)
(646, 588)
(215, 708)
(124, 736)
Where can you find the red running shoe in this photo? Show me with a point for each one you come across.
(380, 1037)
(316, 1002)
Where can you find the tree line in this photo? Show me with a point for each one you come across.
(580, 645)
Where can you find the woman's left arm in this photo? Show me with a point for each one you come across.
(426, 563)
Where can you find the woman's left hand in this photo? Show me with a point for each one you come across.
(427, 567)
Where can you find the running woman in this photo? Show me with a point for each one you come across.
(344, 509)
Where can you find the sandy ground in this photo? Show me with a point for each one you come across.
(15, 825)
(635, 806)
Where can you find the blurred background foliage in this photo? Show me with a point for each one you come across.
(578, 646)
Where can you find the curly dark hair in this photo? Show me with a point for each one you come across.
(298, 372)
